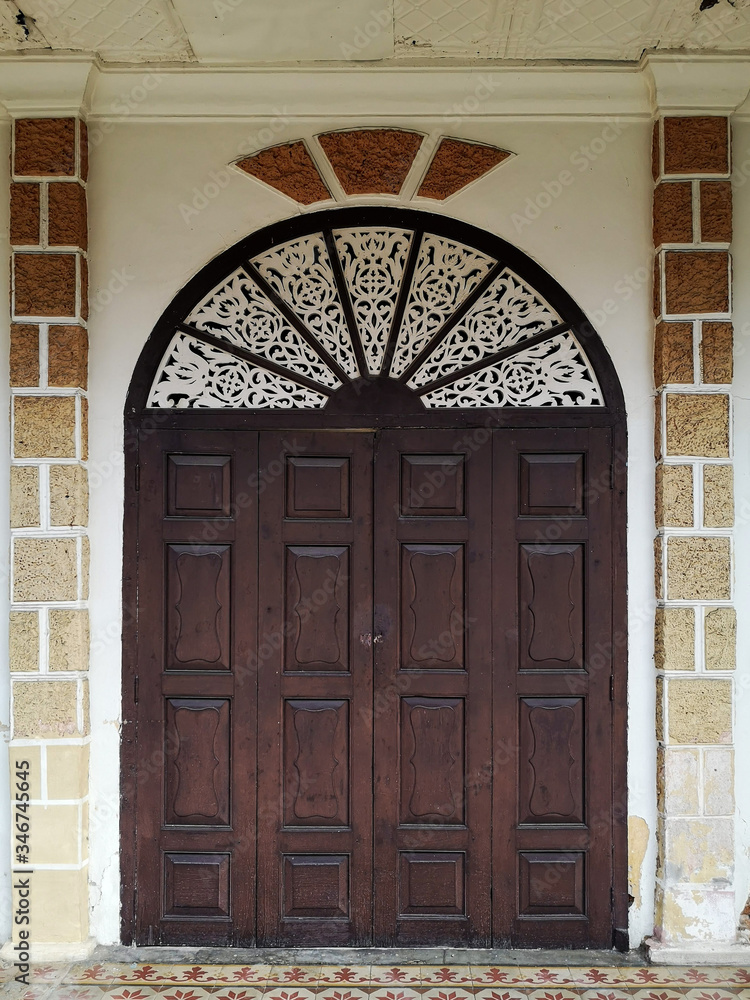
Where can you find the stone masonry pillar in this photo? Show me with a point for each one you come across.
(49, 633)
(695, 619)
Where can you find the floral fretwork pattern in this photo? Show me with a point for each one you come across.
(289, 325)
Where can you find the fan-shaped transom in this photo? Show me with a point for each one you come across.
(293, 323)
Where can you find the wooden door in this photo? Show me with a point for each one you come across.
(315, 683)
(433, 687)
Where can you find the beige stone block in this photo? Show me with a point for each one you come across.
(685, 914)
(674, 496)
(638, 836)
(84, 831)
(45, 709)
(681, 782)
(660, 709)
(700, 711)
(60, 901)
(18, 756)
(68, 639)
(658, 568)
(44, 427)
(718, 781)
(698, 569)
(67, 772)
(24, 640)
(85, 562)
(45, 569)
(675, 639)
(68, 495)
(55, 834)
(718, 496)
(698, 425)
(699, 850)
(24, 496)
(85, 708)
(720, 631)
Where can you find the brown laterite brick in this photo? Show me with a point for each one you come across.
(673, 213)
(68, 356)
(24, 215)
(24, 355)
(655, 152)
(657, 286)
(45, 284)
(673, 353)
(44, 147)
(84, 288)
(67, 215)
(83, 145)
(696, 145)
(716, 211)
(717, 364)
(696, 282)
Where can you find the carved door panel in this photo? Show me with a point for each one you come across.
(194, 698)
(315, 682)
(553, 607)
(432, 706)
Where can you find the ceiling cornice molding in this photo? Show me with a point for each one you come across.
(682, 83)
(662, 83)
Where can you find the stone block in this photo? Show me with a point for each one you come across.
(457, 163)
(67, 771)
(696, 282)
(24, 496)
(658, 568)
(673, 213)
(674, 496)
(44, 284)
(699, 850)
(716, 211)
(660, 732)
(681, 782)
(68, 639)
(67, 223)
(32, 756)
(675, 639)
(720, 631)
(700, 711)
(84, 429)
(687, 914)
(717, 362)
(68, 348)
(24, 640)
(45, 709)
(288, 168)
(84, 288)
(45, 569)
(673, 353)
(85, 562)
(44, 147)
(24, 355)
(696, 145)
(656, 286)
(68, 495)
(697, 425)
(61, 906)
(698, 569)
(44, 427)
(56, 834)
(25, 217)
(718, 781)
(718, 496)
(371, 160)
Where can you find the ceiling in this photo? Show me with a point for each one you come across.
(250, 32)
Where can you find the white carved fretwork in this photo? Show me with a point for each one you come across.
(553, 373)
(373, 262)
(508, 313)
(198, 374)
(445, 274)
(283, 330)
(239, 312)
(301, 274)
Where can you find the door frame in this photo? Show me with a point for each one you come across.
(141, 422)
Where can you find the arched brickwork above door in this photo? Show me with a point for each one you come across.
(430, 313)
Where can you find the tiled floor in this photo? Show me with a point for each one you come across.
(138, 981)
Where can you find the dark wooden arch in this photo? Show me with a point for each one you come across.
(370, 403)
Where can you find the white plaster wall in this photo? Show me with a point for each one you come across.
(5, 853)
(741, 263)
(594, 237)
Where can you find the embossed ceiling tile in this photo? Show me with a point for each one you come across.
(371, 161)
(288, 168)
(725, 26)
(15, 34)
(442, 24)
(457, 163)
(618, 29)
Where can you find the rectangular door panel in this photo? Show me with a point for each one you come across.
(432, 607)
(198, 607)
(317, 608)
(316, 772)
(197, 749)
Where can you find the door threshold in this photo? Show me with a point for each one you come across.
(543, 957)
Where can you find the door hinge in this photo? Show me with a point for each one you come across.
(135, 689)
(137, 478)
(611, 687)
(612, 898)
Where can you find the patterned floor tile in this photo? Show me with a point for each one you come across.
(402, 975)
(197, 975)
(455, 975)
(294, 975)
(344, 991)
(398, 991)
(603, 992)
(558, 975)
(244, 975)
(659, 992)
(502, 992)
(180, 991)
(343, 975)
(711, 993)
(554, 992)
(235, 992)
(130, 992)
(448, 992)
(76, 992)
(484, 975)
(146, 974)
(47, 973)
(283, 991)
(593, 979)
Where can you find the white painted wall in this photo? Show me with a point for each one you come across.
(594, 238)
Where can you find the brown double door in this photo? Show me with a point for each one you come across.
(364, 709)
